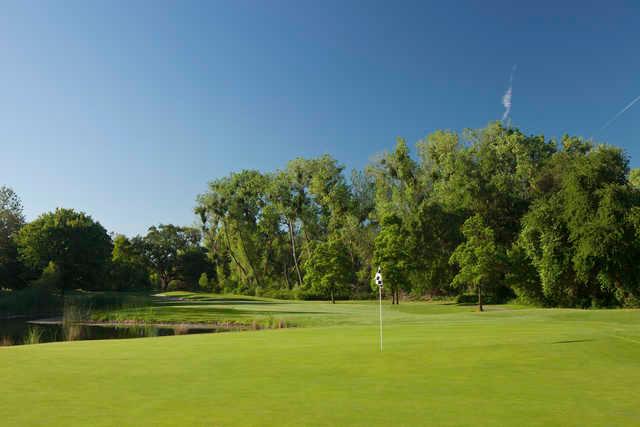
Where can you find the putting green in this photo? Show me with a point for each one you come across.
(441, 365)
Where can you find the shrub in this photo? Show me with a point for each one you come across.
(203, 282)
(34, 335)
(178, 285)
(51, 277)
(627, 299)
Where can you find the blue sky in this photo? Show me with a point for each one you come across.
(126, 110)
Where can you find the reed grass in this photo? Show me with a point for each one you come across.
(34, 335)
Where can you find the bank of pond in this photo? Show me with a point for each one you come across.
(23, 331)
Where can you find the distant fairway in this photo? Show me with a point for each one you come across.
(442, 365)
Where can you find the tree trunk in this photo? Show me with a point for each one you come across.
(306, 237)
(246, 254)
(233, 256)
(286, 276)
(397, 296)
(293, 251)
(268, 251)
(480, 308)
(164, 282)
(353, 258)
(333, 301)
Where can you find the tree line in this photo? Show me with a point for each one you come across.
(487, 215)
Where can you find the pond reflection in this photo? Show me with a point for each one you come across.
(20, 331)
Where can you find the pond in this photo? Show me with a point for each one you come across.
(21, 331)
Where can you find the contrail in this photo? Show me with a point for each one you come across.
(506, 98)
(621, 112)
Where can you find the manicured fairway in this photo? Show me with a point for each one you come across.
(442, 365)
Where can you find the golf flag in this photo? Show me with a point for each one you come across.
(379, 278)
(379, 283)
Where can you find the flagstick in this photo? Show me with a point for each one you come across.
(380, 293)
(380, 285)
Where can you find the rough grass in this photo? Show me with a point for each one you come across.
(34, 336)
(442, 365)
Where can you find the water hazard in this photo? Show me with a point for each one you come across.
(21, 331)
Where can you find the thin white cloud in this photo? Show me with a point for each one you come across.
(621, 112)
(506, 98)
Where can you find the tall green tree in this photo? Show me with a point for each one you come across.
(477, 258)
(397, 190)
(129, 268)
(78, 245)
(391, 254)
(232, 211)
(191, 264)
(11, 221)
(549, 204)
(580, 233)
(329, 271)
(162, 247)
(434, 233)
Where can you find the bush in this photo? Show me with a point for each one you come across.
(50, 278)
(34, 336)
(178, 285)
(203, 282)
(628, 300)
(127, 276)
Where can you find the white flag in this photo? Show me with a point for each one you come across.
(379, 278)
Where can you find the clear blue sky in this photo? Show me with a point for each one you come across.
(126, 110)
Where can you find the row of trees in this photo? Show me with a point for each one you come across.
(304, 228)
(67, 249)
(493, 210)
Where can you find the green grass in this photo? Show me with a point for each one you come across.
(442, 365)
(179, 307)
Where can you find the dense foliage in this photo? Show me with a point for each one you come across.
(11, 220)
(329, 270)
(477, 257)
(78, 247)
(392, 256)
(490, 211)
(493, 211)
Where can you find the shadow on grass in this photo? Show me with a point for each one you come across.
(165, 303)
(571, 341)
(233, 311)
(215, 299)
(459, 304)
